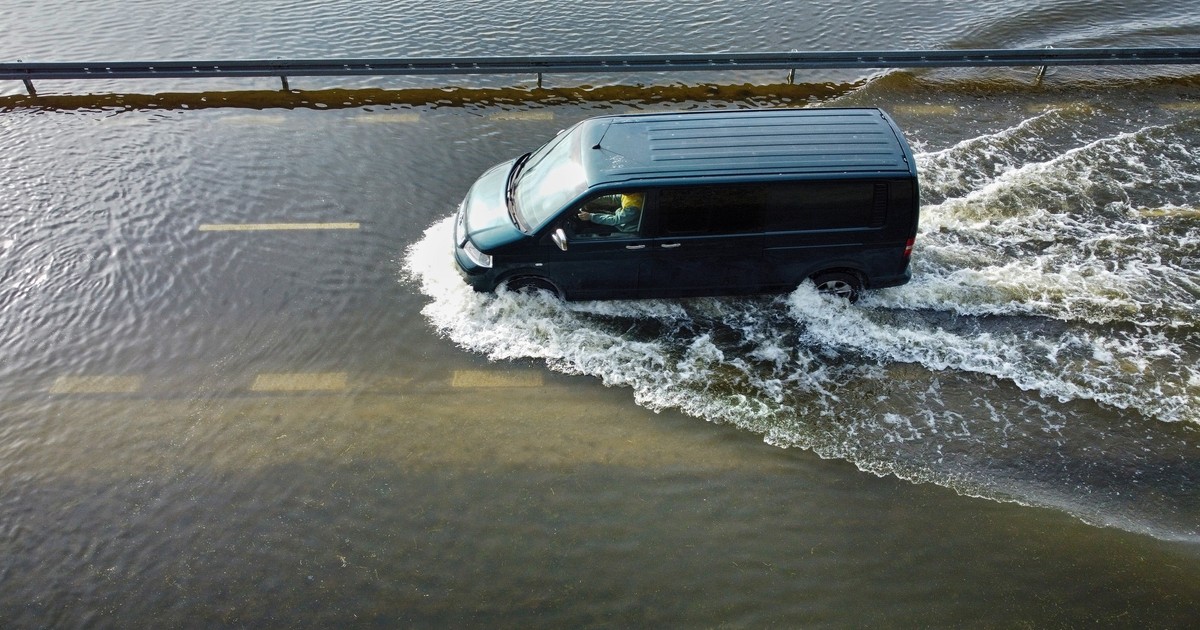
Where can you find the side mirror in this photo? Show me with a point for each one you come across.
(560, 239)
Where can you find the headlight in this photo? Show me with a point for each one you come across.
(476, 256)
(460, 239)
(460, 224)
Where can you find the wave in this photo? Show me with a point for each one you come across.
(1102, 233)
(1045, 352)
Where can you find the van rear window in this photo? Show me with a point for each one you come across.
(771, 207)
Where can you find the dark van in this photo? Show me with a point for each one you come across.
(698, 203)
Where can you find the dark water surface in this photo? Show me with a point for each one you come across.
(205, 426)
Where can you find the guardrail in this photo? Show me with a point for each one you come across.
(28, 72)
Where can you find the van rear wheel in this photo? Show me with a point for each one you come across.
(839, 284)
(531, 284)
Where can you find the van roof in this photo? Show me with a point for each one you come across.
(735, 144)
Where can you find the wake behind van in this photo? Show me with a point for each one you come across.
(698, 203)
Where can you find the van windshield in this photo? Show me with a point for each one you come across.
(553, 176)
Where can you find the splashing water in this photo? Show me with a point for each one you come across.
(1044, 353)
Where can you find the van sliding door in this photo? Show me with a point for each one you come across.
(707, 241)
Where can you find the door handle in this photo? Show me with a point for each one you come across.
(671, 245)
(635, 247)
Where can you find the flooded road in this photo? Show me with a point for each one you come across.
(242, 385)
(1045, 348)
(197, 409)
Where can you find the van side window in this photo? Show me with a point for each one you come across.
(710, 210)
(826, 205)
(773, 207)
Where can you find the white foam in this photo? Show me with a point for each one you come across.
(1108, 367)
(1044, 294)
(973, 162)
(1036, 262)
(1067, 238)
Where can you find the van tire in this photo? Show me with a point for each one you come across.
(839, 284)
(531, 284)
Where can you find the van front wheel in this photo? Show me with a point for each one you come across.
(530, 284)
(839, 284)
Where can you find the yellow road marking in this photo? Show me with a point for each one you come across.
(263, 227)
(926, 110)
(120, 121)
(388, 117)
(253, 119)
(1186, 213)
(96, 385)
(490, 378)
(1182, 106)
(300, 382)
(525, 115)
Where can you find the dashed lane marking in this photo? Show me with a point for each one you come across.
(300, 382)
(388, 117)
(282, 382)
(253, 119)
(96, 384)
(926, 110)
(489, 378)
(527, 115)
(267, 227)
(1177, 212)
(1182, 106)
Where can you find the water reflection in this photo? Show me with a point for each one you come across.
(157, 433)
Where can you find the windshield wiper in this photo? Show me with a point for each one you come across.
(510, 189)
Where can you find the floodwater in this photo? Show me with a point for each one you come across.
(204, 425)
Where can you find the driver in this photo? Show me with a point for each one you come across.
(624, 219)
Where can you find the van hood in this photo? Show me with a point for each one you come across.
(487, 222)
